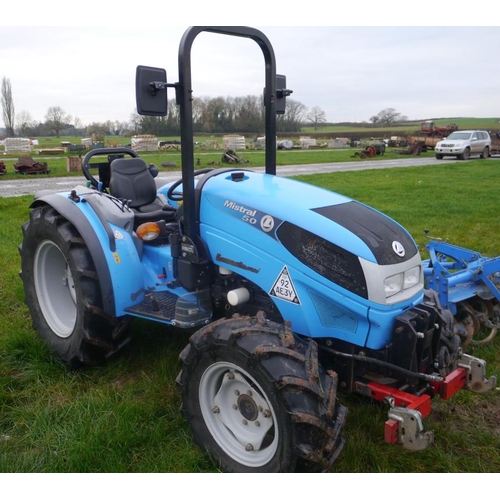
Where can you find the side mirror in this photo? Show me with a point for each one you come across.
(151, 91)
(281, 94)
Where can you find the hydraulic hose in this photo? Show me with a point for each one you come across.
(385, 364)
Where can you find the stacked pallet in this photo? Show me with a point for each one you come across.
(144, 143)
(17, 145)
(233, 142)
(307, 142)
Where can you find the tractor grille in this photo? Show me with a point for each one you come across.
(329, 260)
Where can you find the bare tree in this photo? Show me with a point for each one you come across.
(387, 117)
(316, 116)
(135, 121)
(292, 119)
(56, 118)
(78, 124)
(8, 107)
(24, 122)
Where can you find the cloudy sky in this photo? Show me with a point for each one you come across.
(351, 72)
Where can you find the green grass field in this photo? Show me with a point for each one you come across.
(124, 416)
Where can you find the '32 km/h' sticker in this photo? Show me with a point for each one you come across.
(284, 289)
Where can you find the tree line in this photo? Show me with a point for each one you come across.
(230, 115)
(210, 115)
(244, 115)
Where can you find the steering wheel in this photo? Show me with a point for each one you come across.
(99, 152)
(179, 196)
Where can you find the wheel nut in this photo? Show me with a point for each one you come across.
(266, 413)
(249, 447)
(215, 409)
(244, 422)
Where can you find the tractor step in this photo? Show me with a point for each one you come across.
(185, 311)
(158, 305)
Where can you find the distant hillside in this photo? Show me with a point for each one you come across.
(401, 129)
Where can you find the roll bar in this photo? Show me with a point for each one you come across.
(185, 100)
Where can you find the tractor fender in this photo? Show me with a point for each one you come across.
(114, 249)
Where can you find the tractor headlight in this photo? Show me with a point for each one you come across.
(401, 281)
(412, 277)
(393, 284)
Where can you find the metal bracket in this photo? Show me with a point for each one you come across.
(410, 431)
(476, 377)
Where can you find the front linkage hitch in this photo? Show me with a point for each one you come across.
(405, 423)
(424, 359)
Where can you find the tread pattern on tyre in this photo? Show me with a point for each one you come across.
(291, 364)
(96, 336)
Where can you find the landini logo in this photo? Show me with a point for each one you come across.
(398, 248)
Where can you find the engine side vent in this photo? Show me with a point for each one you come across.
(329, 260)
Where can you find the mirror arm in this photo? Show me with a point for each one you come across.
(283, 92)
(157, 86)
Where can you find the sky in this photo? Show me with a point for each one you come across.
(350, 72)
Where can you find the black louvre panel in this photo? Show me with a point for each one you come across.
(329, 260)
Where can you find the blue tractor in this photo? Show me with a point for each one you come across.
(289, 291)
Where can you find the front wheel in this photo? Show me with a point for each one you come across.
(257, 399)
(63, 294)
(485, 153)
(439, 156)
(465, 155)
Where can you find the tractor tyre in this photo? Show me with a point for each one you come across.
(258, 400)
(62, 292)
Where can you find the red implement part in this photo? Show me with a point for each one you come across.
(453, 383)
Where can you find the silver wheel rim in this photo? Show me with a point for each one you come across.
(238, 414)
(55, 288)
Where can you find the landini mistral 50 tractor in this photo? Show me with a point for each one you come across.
(292, 291)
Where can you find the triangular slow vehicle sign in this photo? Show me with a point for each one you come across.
(284, 289)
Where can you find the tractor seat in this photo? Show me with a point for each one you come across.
(133, 180)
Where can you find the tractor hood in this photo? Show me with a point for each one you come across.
(328, 237)
(284, 208)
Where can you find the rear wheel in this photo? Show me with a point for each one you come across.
(63, 293)
(257, 399)
(485, 153)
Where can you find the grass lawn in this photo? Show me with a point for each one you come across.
(124, 416)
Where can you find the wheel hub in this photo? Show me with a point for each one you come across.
(247, 407)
